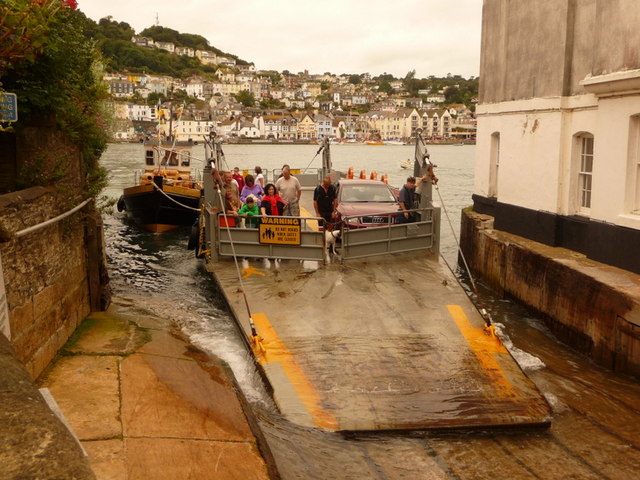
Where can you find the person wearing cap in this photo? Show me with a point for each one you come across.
(249, 210)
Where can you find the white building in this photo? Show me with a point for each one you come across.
(142, 113)
(558, 142)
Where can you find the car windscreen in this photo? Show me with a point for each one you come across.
(366, 193)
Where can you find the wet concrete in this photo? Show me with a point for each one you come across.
(147, 404)
(388, 343)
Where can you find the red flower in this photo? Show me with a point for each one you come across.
(72, 4)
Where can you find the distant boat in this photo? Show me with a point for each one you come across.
(406, 164)
(393, 142)
(375, 142)
(166, 195)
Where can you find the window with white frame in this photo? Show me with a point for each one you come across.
(494, 164)
(585, 173)
(633, 178)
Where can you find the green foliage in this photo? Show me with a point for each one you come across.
(385, 86)
(355, 79)
(43, 168)
(24, 30)
(272, 104)
(163, 34)
(246, 98)
(64, 82)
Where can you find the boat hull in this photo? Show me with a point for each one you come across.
(153, 211)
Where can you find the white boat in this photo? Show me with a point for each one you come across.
(406, 164)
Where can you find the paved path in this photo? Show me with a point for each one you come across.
(146, 404)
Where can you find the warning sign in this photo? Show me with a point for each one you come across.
(280, 230)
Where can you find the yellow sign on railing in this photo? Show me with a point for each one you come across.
(280, 230)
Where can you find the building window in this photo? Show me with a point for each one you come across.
(494, 164)
(585, 173)
(633, 177)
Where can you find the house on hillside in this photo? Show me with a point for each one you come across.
(186, 51)
(121, 88)
(307, 128)
(167, 46)
(206, 57)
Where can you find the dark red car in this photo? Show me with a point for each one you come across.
(373, 202)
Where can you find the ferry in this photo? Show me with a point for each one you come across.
(165, 195)
(379, 336)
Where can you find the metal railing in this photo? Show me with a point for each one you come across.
(422, 234)
(389, 237)
(247, 242)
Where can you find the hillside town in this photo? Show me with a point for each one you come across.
(245, 104)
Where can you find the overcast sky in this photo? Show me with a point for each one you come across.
(434, 37)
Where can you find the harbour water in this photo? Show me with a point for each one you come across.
(595, 431)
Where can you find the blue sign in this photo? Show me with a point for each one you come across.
(8, 107)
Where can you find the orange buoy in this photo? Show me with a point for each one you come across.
(374, 175)
(350, 173)
(363, 174)
(384, 178)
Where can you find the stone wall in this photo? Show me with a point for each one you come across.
(591, 306)
(48, 274)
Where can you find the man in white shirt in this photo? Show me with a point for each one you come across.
(290, 190)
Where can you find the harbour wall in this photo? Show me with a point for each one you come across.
(591, 306)
(53, 276)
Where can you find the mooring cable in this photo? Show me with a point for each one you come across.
(486, 316)
(254, 334)
(314, 157)
(174, 200)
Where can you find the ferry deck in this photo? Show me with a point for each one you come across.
(380, 337)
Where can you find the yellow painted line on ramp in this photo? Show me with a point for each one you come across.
(247, 272)
(312, 224)
(275, 350)
(485, 347)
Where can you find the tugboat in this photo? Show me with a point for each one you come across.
(166, 196)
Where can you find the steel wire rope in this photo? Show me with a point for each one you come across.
(314, 157)
(481, 308)
(174, 200)
(254, 334)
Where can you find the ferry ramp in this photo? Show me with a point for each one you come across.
(387, 343)
(382, 337)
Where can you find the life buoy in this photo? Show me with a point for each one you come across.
(350, 173)
(374, 175)
(384, 178)
(363, 174)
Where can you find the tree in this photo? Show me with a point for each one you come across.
(355, 79)
(246, 98)
(385, 86)
(24, 30)
(63, 82)
(271, 104)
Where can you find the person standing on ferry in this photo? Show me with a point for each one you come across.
(272, 204)
(325, 200)
(238, 178)
(259, 177)
(251, 188)
(290, 190)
